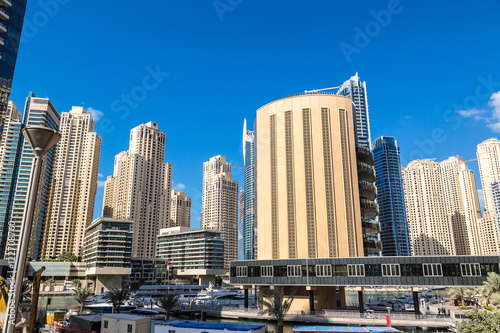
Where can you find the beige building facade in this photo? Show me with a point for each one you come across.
(308, 202)
(442, 208)
(180, 209)
(488, 158)
(74, 184)
(220, 204)
(140, 188)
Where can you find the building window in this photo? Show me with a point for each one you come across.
(242, 271)
(129, 328)
(266, 271)
(173, 331)
(323, 270)
(356, 270)
(294, 270)
(432, 269)
(105, 324)
(470, 269)
(391, 270)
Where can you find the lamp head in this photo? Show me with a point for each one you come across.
(41, 139)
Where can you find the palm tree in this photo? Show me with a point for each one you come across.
(276, 306)
(76, 283)
(81, 295)
(26, 291)
(117, 297)
(491, 288)
(168, 303)
(458, 293)
(51, 283)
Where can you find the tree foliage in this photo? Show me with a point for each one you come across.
(81, 295)
(491, 288)
(67, 256)
(117, 297)
(26, 291)
(485, 322)
(277, 306)
(168, 303)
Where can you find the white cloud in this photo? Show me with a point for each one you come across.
(100, 183)
(470, 113)
(100, 175)
(96, 114)
(490, 116)
(180, 186)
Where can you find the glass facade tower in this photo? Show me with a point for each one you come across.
(356, 90)
(249, 183)
(11, 24)
(17, 166)
(392, 211)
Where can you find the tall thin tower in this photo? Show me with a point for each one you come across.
(220, 204)
(249, 193)
(392, 211)
(356, 90)
(17, 160)
(74, 184)
(140, 189)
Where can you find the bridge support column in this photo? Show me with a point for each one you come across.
(246, 298)
(311, 297)
(245, 291)
(416, 302)
(360, 300)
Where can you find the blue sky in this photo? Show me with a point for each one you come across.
(430, 67)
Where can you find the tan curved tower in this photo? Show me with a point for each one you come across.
(307, 196)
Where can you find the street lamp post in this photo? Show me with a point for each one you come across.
(41, 140)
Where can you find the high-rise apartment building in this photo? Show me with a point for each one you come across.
(462, 205)
(356, 90)
(488, 158)
(17, 159)
(11, 25)
(74, 184)
(431, 232)
(442, 207)
(140, 189)
(308, 199)
(241, 226)
(249, 183)
(180, 209)
(392, 211)
(219, 209)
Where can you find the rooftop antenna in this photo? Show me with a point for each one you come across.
(318, 90)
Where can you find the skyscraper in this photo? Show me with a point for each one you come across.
(249, 183)
(392, 211)
(219, 209)
(430, 230)
(462, 205)
(241, 226)
(356, 90)
(442, 207)
(180, 210)
(11, 24)
(488, 158)
(308, 200)
(141, 187)
(74, 184)
(19, 157)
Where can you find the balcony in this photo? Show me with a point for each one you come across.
(370, 228)
(3, 28)
(366, 172)
(367, 190)
(372, 245)
(2, 43)
(364, 155)
(369, 209)
(3, 15)
(5, 3)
